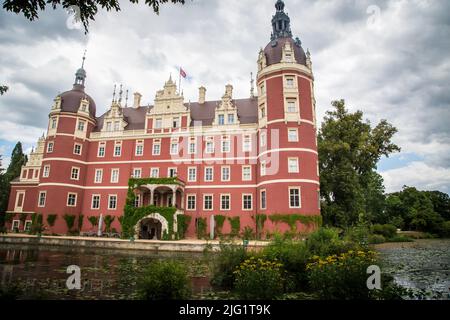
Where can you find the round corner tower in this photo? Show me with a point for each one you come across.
(64, 165)
(288, 176)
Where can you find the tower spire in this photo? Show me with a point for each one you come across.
(120, 94)
(114, 95)
(252, 88)
(80, 75)
(281, 23)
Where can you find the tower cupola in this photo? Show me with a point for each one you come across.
(281, 23)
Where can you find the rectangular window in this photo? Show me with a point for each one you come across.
(15, 225)
(137, 173)
(207, 202)
(247, 202)
(263, 139)
(95, 202)
(246, 173)
(294, 198)
(98, 176)
(176, 122)
(112, 202)
(263, 111)
(293, 165)
(53, 125)
(46, 172)
(292, 135)
(263, 89)
(77, 149)
(192, 146)
(263, 199)
(154, 173)
(115, 176)
(209, 174)
(247, 144)
(24, 174)
(192, 174)
(158, 123)
(81, 125)
(20, 199)
(209, 145)
(116, 125)
(109, 126)
(226, 146)
(139, 148)
(290, 82)
(174, 147)
(156, 148)
(291, 106)
(117, 149)
(75, 174)
(221, 119)
(137, 201)
(226, 176)
(71, 200)
(230, 118)
(172, 172)
(101, 149)
(27, 226)
(42, 196)
(50, 146)
(191, 202)
(263, 169)
(225, 202)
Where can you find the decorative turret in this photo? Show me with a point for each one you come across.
(281, 23)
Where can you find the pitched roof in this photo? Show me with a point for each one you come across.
(247, 110)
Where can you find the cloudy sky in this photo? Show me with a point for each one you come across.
(388, 58)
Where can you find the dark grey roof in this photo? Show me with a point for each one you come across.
(274, 53)
(247, 110)
(70, 100)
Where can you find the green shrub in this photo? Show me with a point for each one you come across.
(37, 224)
(341, 276)
(108, 221)
(400, 239)
(164, 280)
(51, 218)
(93, 220)
(225, 263)
(248, 234)
(200, 228)
(257, 278)
(70, 220)
(358, 234)
(294, 256)
(445, 230)
(235, 223)
(386, 230)
(80, 222)
(376, 239)
(183, 222)
(326, 241)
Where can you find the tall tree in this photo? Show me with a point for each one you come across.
(18, 159)
(85, 10)
(349, 150)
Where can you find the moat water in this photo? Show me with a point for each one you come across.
(41, 272)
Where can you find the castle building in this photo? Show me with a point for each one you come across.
(236, 158)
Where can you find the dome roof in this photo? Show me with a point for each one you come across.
(274, 51)
(70, 100)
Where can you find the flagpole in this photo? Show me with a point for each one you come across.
(179, 81)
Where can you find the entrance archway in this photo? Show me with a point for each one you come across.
(151, 227)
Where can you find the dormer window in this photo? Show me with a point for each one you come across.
(230, 118)
(221, 119)
(108, 126)
(116, 125)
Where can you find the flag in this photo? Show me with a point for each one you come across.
(182, 73)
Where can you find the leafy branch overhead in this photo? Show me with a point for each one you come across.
(3, 90)
(87, 10)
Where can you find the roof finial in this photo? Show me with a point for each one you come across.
(126, 100)
(84, 58)
(120, 94)
(114, 94)
(252, 88)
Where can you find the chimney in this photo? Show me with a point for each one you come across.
(229, 90)
(137, 100)
(201, 95)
